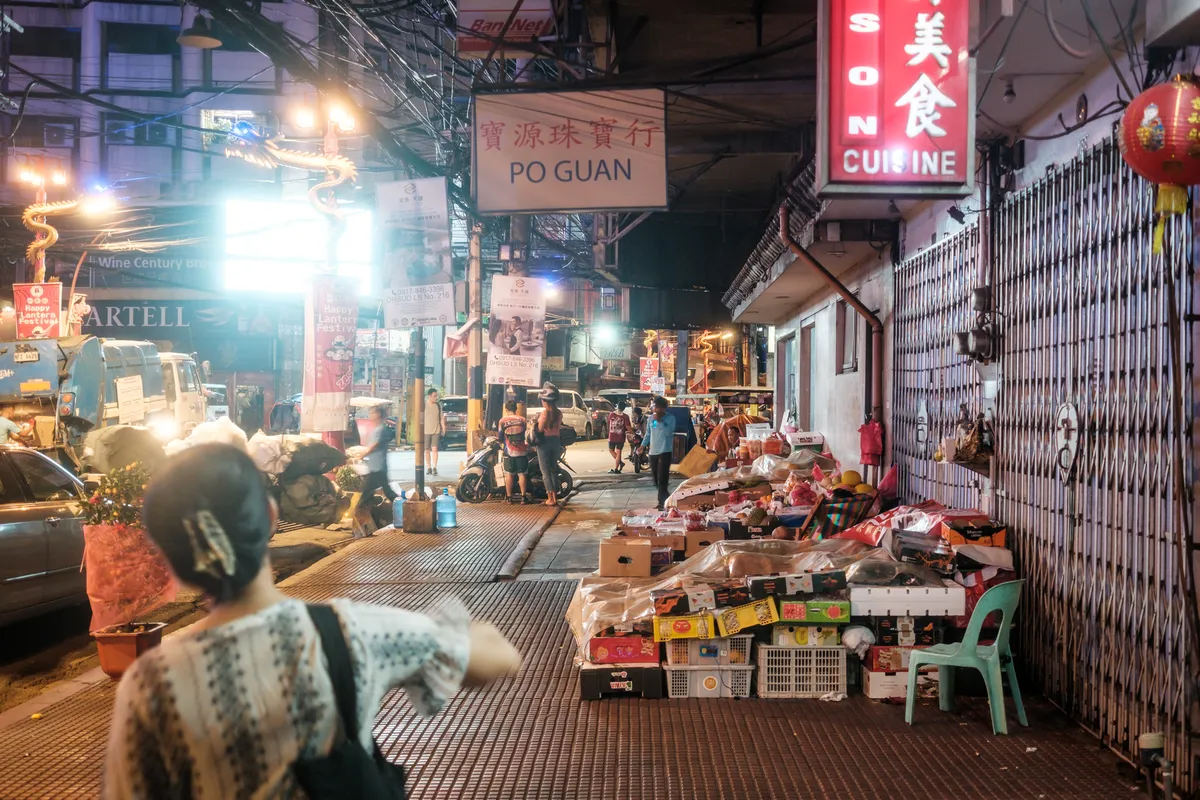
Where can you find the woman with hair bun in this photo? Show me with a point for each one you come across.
(264, 696)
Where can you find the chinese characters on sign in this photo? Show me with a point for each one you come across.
(39, 310)
(648, 369)
(897, 98)
(570, 151)
(330, 322)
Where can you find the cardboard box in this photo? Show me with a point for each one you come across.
(693, 626)
(798, 583)
(739, 530)
(813, 611)
(907, 631)
(806, 636)
(598, 680)
(625, 557)
(698, 540)
(894, 685)
(731, 621)
(637, 627)
(675, 541)
(731, 593)
(936, 601)
(988, 534)
(893, 659)
(661, 558)
(682, 601)
(623, 650)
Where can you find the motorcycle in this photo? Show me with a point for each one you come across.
(477, 481)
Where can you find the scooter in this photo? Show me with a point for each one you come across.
(477, 481)
(638, 454)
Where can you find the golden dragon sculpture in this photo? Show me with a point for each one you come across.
(34, 221)
(247, 144)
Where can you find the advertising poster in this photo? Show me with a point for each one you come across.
(648, 369)
(131, 401)
(330, 323)
(480, 23)
(570, 151)
(415, 217)
(39, 310)
(517, 331)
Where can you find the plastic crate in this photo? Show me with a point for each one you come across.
(788, 672)
(707, 681)
(732, 650)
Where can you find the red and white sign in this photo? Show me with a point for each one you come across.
(480, 23)
(648, 371)
(897, 98)
(39, 310)
(330, 324)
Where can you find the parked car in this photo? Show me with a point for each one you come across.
(41, 535)
(454, 413)
(574, 412)
(622, 397)
(598, 410)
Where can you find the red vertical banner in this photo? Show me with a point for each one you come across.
(39, 310)
(330, 322)
(648, 369)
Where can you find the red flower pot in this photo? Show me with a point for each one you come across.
(120, 645)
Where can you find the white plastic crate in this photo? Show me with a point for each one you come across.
(787, 672)
(707, 681)
(728, 651)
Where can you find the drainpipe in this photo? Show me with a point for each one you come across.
(874, 377)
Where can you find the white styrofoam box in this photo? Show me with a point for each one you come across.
(885, 685)
(908, 601)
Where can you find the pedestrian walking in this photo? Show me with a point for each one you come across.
(513, 429)
(547, 440)
(618, 426)
(375, 459)
(662, 440)
(268, 696)
(435, 428)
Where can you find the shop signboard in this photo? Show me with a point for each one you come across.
(896, 98)
(415, 217)
(648, 370)
(330, 322)
(39, 310)
(619, 352)
(570, 151)
(480, 23)
(516, 331)
(658, 386)
(554, 363)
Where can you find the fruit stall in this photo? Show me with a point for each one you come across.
(784, 578)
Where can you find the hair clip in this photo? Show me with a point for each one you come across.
(211, 550)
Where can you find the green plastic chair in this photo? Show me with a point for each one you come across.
(988, 659)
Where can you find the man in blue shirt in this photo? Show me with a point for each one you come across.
(661, 432)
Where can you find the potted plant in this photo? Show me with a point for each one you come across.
(126, 575)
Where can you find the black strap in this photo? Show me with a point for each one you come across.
(341, 674)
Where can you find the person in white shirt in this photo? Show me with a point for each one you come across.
(229, 707)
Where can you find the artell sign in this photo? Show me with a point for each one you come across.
(570, 151)
(896, 111)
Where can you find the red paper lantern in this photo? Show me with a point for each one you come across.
(1160, 141)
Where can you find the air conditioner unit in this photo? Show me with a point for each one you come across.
(116, 131)
(57, 134)
(157, 133)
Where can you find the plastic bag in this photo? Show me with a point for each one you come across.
(126, 575)
(269, 453)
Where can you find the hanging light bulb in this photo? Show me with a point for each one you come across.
(1010, 93)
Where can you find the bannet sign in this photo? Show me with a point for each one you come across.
(897, 85)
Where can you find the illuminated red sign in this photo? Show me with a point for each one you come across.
(39, 310)
(897, 105)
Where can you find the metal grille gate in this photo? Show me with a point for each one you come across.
(930, 382)
(1084, 304)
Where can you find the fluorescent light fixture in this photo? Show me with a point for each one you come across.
(277, 246)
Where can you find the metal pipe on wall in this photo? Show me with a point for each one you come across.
(874, 376)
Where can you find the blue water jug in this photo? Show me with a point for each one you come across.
(398, 511)
(447, 510)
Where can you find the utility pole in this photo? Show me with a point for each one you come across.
(419, 390)
(474, 339)
(681, 362)
(518, 235)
